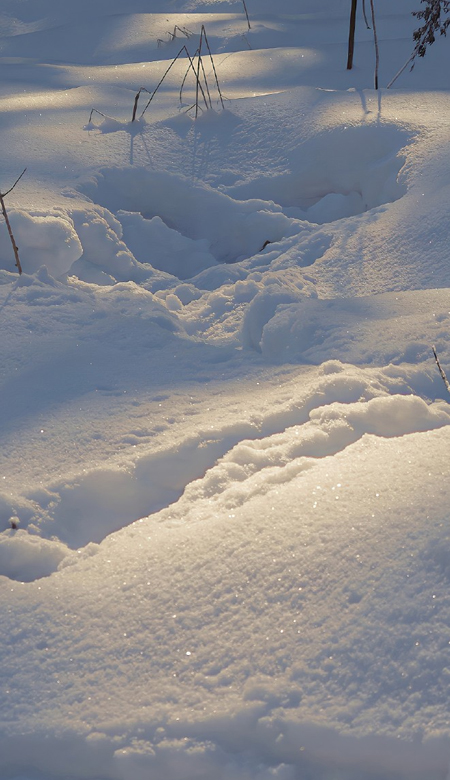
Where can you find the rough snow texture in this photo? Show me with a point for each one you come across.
(225, 444)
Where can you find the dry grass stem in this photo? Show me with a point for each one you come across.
(152, 94)
(204, 37)
(246, 14)
(365, 14)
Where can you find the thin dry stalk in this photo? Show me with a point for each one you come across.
(197, 75)
(399, 72)
(246, 14)
(441, 370)
(96, 111)
(196, 69)
(136, 101)
(192, 67)
(375, 40)
(8, 224)
(183, 31)
(172, 35)
(204, 36)
(365, 14)
(206, 82)
(152, 94)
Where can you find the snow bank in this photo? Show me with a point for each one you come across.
(338, 173)
(42, 240)
(395, 327)
(26, 557)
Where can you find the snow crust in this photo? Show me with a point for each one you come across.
(224, 462)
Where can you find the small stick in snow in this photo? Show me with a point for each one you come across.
(441, 370)
(8, 224)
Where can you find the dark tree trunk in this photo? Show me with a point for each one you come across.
(351, 35)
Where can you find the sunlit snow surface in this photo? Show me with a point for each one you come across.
(225, 443)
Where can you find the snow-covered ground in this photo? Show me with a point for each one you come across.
(225, 443)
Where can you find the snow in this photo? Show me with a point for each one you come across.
(224, 462)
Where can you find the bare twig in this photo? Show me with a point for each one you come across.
(4, 194)
(441, 370)
(8, 224)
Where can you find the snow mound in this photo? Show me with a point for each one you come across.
(49, 240)
(381, 329)
(339, 173)
(26, 557)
